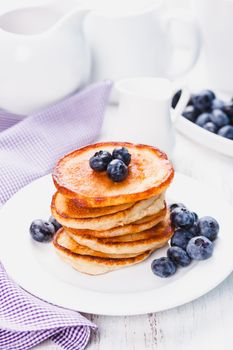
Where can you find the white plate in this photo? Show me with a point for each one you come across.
(205, 138)
(133, 290)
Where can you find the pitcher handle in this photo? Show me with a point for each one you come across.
(192, 35)
(182, 103)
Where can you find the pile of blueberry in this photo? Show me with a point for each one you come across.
(192, 240)
(42, 230)
(116, 164)
(210, 113)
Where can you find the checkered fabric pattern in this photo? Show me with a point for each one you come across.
(26, 321)
(29, 148)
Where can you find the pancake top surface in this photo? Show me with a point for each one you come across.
(150, 173)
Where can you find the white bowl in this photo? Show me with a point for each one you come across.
(204, 137)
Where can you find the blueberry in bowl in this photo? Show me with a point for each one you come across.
(226, 131)
(219, 118)
(203, 118)
(228, 109)
(210, 127)
(217, 104)
(210, 113)
(203, 100)
(190, 113)
(176, 98)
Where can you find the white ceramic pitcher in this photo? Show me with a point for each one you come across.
(144, 112)
(43, 55)
(133, 38)
(216, 22)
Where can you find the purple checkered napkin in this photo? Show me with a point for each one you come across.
(29, 148)
(26, 321)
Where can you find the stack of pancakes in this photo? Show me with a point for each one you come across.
(108, 225)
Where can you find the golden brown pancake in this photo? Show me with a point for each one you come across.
(137, 226)
(68, 208)
(150, 173)
(136, 243)
(138, 211)
(64, 239)
(93, 265)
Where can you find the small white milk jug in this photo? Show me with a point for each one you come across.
(145, 114)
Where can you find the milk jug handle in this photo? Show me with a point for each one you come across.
(182, 103)
(186, 39)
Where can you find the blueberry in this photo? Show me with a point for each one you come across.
(193, 229)
(228, 109)
(181, 238)
(176, 205)
(42, 231)
(200, 248)
(182, 217)
(219, 118)
(117, 170)
(217, 104)
(123, 154)
(226, 131)
(176, 98)
(100, 160)
(178, 256)
(190, 102)
(195, 216)
(55, 223)
(190, 113)
(163, 267)
(210, 127)
(208, 227)
(203, 100)
(202, 119)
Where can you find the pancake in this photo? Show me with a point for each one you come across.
(136, 243)
(150, 173)
(63, 239)
(139, 210)
(137, 226)
(68, 208)
(93, 265)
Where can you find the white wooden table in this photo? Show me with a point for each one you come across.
(206, 323)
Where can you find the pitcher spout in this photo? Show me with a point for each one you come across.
(73, 19)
